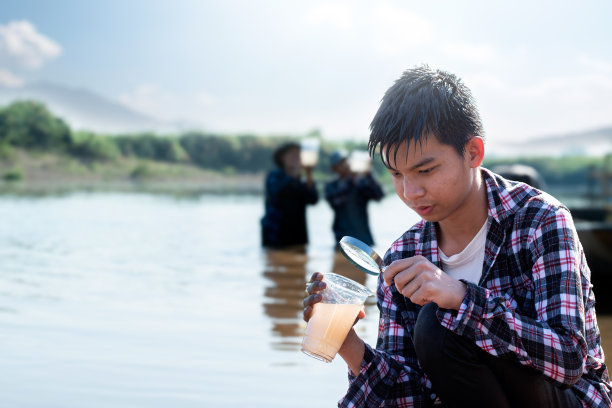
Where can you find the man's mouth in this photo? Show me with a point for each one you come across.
(423, 210)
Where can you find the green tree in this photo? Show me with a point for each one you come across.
(89, 146)
(28, 124)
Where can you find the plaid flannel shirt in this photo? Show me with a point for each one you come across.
(534, 304)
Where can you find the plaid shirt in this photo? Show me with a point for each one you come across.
(534, 304)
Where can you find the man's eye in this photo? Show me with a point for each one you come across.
(425, 171)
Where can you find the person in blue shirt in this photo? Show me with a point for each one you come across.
(348, 195)
(284, 221)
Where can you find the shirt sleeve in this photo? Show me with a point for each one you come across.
(390, 374)
(336, 192)
(553, 341)
(280, 184)
(369, 188)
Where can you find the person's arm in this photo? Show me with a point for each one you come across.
(369, 188)
(280, 184)
(336, 193)
(388, 375)
(552, 340)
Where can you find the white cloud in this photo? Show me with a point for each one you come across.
(21, 45)
(596, 64)
(476, 53)
(204, 98)
(383, 28)
(394, 30)
(7, 78)
(336, 15)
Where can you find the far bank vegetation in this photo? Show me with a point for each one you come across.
(38, 147)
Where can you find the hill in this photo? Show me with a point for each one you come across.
(84, 109)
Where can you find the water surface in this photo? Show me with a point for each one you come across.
(136, 300)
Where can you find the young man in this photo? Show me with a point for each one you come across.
(284, 222)
(486, 302)
(348, 195)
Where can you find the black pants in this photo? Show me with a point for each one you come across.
(463, 375)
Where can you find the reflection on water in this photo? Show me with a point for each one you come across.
(286, 269)
(284, 293)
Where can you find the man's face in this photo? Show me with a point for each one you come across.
(342, 168)
(431, 178)
(291, 161)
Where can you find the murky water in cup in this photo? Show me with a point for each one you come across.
(333, 317)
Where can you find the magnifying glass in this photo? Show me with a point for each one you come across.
(361, 255)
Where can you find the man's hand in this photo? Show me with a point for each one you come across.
(422, 282)
(353, 348)
(314, 296)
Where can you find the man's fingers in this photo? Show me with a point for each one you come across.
(307, 313)
(361, 313)
(316, 287)
(396, 267)
(317, 276)
(413, 286)
(311, 300)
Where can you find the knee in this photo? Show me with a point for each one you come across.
(428, 336)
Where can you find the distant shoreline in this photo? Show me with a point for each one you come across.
(221, 184)
(48, 173)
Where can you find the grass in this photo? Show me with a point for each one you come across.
(40, 172)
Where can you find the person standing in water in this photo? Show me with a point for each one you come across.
(348, 195)
(286, 198)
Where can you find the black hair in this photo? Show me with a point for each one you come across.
(422, 102)
(281, 150)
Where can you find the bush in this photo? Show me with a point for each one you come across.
(15, 174)
(141, 171)
(89, 146)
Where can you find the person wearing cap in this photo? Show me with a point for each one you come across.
(348, 195)
(287, 195)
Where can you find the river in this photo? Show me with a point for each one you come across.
(143, 300)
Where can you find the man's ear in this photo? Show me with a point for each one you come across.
(474, 151)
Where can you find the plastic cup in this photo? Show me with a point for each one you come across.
(309, 152)
(360, 161)
(333, 317)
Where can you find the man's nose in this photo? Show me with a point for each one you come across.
(412, 190)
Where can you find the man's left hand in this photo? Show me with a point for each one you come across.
(422, 282)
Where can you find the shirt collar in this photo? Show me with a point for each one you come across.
(504, 199)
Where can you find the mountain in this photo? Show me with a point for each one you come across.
(83, 109)
(595, 142)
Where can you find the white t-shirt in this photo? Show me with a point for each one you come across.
(467, 264)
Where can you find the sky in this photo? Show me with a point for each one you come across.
(535, 68)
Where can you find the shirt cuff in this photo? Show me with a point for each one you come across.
(470, 312)
(368, 357)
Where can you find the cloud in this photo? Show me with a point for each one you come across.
(595, 64)
(476, 53)
(21, 45)
(394, 29)
(204, 99)
(384, 28)
(331, 14)
(7, 78)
